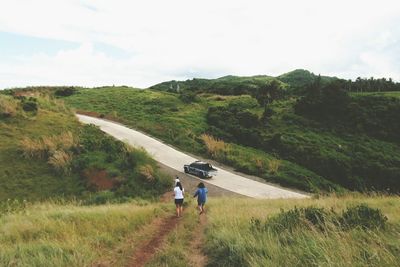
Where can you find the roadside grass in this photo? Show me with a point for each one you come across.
(233, 241)
(50, 234)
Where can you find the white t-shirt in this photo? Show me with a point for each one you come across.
(178, 192)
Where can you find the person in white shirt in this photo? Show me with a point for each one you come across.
(176, 180)
(179, 192)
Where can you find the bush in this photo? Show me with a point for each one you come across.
(302, 218)
(188, 96)
(100, 198)
(363, 216)
(65, 91)
(30, 106)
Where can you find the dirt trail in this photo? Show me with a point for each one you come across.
(197, 257)
(148, 249)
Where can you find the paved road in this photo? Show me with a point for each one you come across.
(176, 159)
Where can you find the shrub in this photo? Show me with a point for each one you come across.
(363, 216)
(302, 218)
(100, 198)
(65, 91)
(188, 96)
(243, 102)
(285, 221)
(30, 106)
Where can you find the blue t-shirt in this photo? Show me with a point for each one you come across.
(201, 194)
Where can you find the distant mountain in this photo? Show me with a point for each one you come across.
(227, 85)
(301, 78)
(236, 85)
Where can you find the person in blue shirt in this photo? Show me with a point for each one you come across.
(201, 194)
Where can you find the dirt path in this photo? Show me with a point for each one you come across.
(145, 253)
(197, 257)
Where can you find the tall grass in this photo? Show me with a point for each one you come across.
(148, 172)
(274, 165)
(232, 241)
(68, 235)
(8, 106)
(46, 146)
(61, 161)
(216, 148)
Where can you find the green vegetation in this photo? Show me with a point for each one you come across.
(299, 79)
(348, 231)
(324, 141)
(298, 130)
(67, 234)
(165, 116)
(46, 153)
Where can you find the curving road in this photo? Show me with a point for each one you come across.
(176, 159)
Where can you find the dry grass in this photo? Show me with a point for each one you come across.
(67, 235)
(274, 165)
(32, 148)
(46, 146)
(216, 148)
(61, 161)
(148, 172)
(8, 106)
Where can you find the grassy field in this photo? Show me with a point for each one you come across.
(234, 232)
(67, 234)
(232, 239)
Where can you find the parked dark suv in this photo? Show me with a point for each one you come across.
(201, 169)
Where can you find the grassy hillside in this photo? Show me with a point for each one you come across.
(238, 232)
(301, 79)
(166, 116)
(279, 143)
(227, 85)
(45, 152)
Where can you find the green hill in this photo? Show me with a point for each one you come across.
(227, 85)
(237, 85)
(46, 153)
(303, 78)
(274, 140)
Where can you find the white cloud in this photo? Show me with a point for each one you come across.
(184, 38)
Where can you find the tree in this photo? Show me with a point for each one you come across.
(268, 92)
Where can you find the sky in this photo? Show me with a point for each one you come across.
(141, 43)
